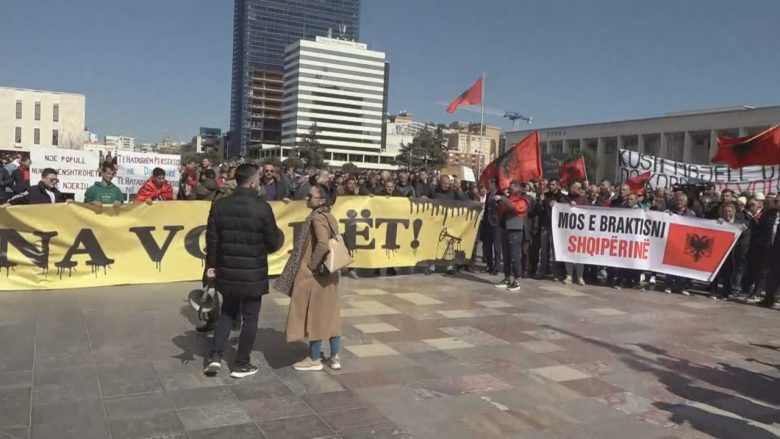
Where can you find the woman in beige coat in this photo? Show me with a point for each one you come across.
(315, 314)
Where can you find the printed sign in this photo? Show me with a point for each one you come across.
(79, 245)
(667, 173)
(642, 240)
(77, 170)
(134, 168)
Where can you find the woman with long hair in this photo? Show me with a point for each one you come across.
(315, 314)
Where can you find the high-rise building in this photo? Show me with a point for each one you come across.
(122, 143)
(35, 118)
(338, 89)
(262, 30)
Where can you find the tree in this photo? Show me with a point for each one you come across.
(310, 151)
(350, 168)
(590, 161)
(427, 151)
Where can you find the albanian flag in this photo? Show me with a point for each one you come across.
(472, 96)
(638, 183)
(759, 149)
(522, 162)
(573, 171)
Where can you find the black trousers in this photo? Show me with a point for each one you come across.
(513, 253)
(491, 247)
(234, 305)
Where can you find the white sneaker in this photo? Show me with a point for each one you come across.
(685, 293)
(213, 367)
(581, 282)
(567, 280)
(333, 362)
(668, 290)
(652, 280)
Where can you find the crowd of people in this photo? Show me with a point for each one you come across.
(515, 233)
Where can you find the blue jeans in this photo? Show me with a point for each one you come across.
(315, 347)
(513, 253)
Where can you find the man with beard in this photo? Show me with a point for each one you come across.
(275, 189)
(405, 186)
(444, 191)
(544, 214)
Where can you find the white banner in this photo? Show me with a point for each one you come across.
(643, 240)
(667, 173)
(77, 170)
(134, 168)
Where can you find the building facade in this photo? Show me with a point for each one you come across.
(122, 143)
(33, 118)
(262, 30)
(689, 137)
(338, 88)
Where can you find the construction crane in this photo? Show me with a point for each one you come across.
(513, 116)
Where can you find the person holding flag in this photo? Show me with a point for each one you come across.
(513, 211)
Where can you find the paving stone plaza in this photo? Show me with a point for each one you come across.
(423, 357)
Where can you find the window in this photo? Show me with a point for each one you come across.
(56, 113)
(18, 135)
(37, 111)
(18, 110)
(55, 137)
(37, 136)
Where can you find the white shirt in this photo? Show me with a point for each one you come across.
(50, 194)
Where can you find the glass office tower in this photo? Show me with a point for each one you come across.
(262, 30)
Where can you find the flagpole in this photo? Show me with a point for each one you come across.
(481, 125)
(584, 165)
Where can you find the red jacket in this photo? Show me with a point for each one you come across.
(149, 191)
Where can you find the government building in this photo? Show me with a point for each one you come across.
(689, 137)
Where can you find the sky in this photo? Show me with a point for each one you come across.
(156, 68)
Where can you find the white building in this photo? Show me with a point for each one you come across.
(689, 137)
(122, 143)
(32, 118)
(341, 87)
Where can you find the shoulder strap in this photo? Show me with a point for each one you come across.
(333, 233)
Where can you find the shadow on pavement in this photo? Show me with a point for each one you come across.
(724, 402)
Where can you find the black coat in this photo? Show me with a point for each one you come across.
(770, 252)
(19, 183)
(241, 232)
(37, 195)
(6, 185)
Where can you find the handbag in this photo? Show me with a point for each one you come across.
(338, 255)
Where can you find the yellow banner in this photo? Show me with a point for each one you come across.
(77, 245)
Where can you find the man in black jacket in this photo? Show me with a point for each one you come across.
(544, 214)
(6, 185)
(240, 234)
(45, 192)
(490, 232)
(769, 230)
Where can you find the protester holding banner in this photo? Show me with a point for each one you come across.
(627, 277)
(729, 280)
(156, 188)
(575, 272)
(677, 283)
(45, 192)
(104, 191)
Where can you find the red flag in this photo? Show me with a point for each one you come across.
(638, 183)
(696, 248)
(572, 171)
(472, 96)
(522, 162)
(759, 149)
